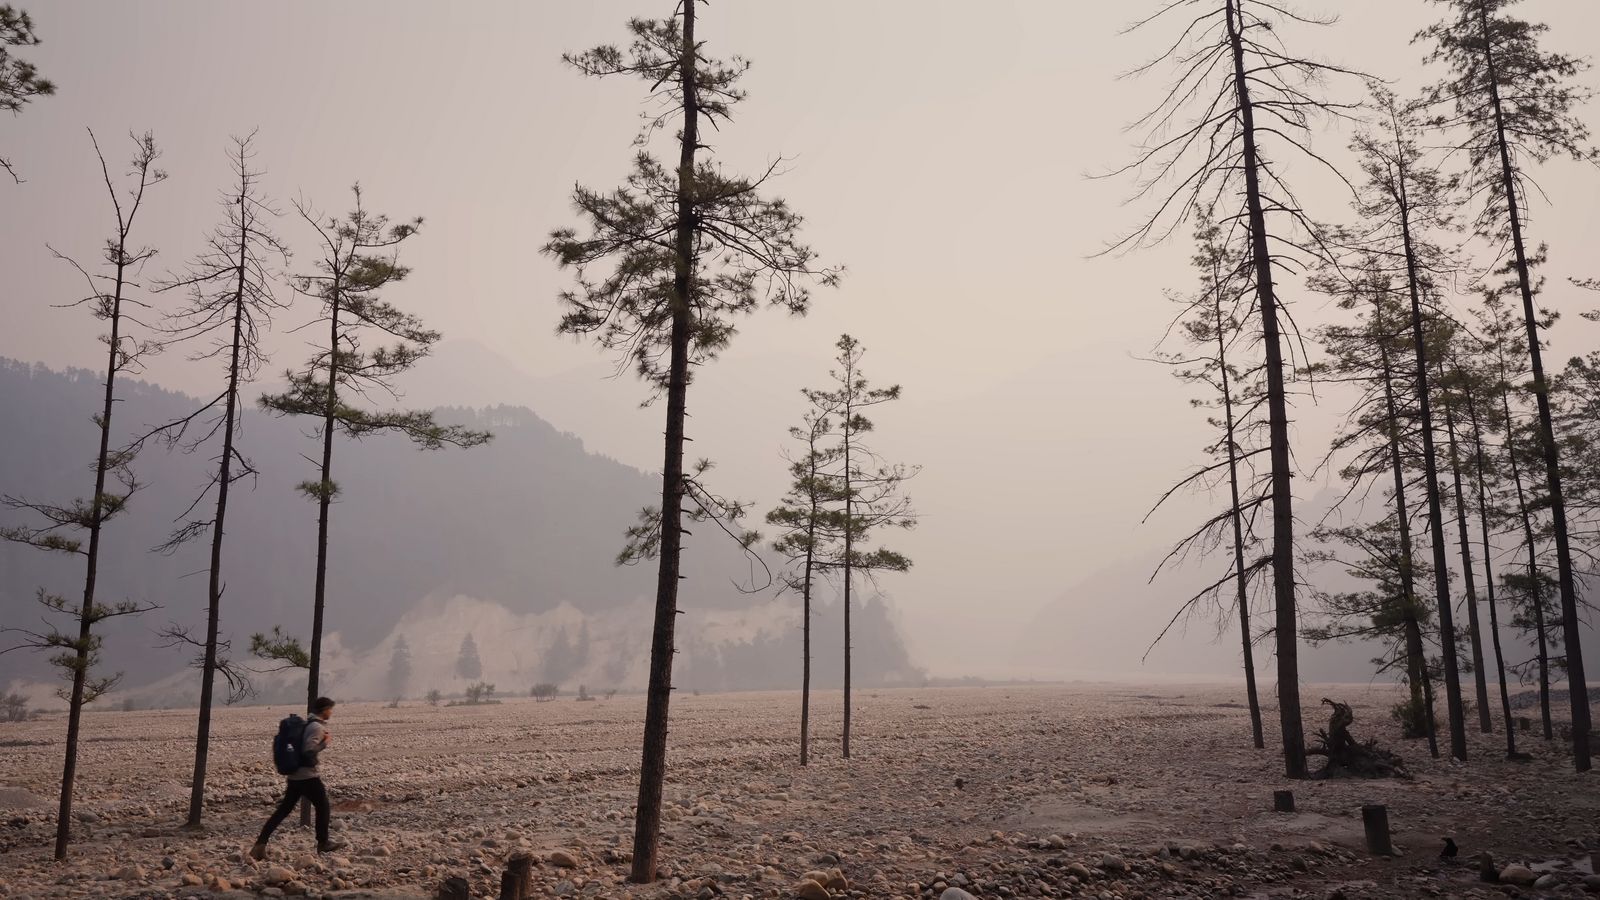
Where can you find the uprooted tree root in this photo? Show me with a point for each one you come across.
(1348, 758)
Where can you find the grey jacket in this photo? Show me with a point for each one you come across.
(316, 740)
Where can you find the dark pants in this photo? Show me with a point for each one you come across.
(306, 788)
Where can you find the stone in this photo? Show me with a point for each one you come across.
(836, 881)
(1519, 875)
(956, 893)
(130, 873)
(1113, 863)
(1591, 883)
(809, 889)
(276, 875)
(1080, 870)
(190, 879)
(561, 859)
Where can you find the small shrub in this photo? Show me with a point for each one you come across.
(14, 707)
(1412, 714)
(544, 691)
(434, 697)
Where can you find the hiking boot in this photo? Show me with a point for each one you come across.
(330, 846)
(258, 852)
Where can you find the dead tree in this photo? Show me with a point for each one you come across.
(230, 286)
(110, 301)
(1348, 758)
(1239, 96)
(688, 249)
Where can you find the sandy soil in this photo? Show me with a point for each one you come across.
(1075, 791)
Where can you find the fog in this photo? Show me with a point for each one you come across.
(942, 151)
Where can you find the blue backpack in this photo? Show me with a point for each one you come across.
(288, 748)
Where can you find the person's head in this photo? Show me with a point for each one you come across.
(322, 708)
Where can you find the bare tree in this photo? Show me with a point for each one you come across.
(1508, 104)
(231, 302)
(686, 249)
(1240, 95)
(109, 300)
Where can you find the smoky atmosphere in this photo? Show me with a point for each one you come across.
(703, 448)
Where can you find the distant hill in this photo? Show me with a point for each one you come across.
(520, 534)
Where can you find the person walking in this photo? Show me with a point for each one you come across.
(305, 783)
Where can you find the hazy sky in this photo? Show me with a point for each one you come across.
(937, 149)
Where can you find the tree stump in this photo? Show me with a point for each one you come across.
(516, 882)
(1349, 758)
(1375, 821)
(455, 889)
(1283, 801)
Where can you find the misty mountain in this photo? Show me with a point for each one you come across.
(512, 543)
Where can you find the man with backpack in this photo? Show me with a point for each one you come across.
(295, 752)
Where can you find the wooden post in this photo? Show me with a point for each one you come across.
(1283, 801)
(455, 889)
(517, 880)
(1375, 819)
(1487, 871)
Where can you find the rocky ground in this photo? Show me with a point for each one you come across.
(999, 792)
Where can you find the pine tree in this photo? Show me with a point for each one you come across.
(360, 258)
(869, 491)
(400, 667)
(1509, 104)
(809, 532)
(1205, 140)
(1407, 200)
(468, 665)
(231, 288)
(19, 79)
(687, 248)
(110, 300)
(1210, 325)
(1378, 438)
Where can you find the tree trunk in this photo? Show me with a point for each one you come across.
(324, 502)
(1286, 619)
(1485, 723)
(1416, 655)
(805, 598)
(208, 670)
(1488, 570)
(653, 765)
(86, 613)
(849, 536)
(1238, 530)
(1533, 551)
(1441, 570)
(1577, 684)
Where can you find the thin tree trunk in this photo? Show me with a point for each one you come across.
(1485, 723)
(86, 613)
(1441, 570)
(1577, 684)
(1286, 619)
(1488, 570)
(849, 542)
(208, 671)
(805, 596)
(653, 765)
(1238, 532)
(1543, 649)
(324, 502)
(1416, 655)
